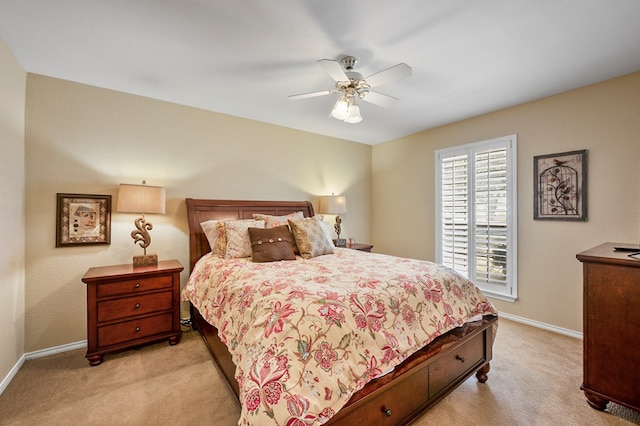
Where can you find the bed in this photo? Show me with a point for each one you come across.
(418, 378)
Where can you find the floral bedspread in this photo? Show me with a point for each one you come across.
(307, 334)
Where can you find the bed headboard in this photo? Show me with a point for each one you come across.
(200, 211)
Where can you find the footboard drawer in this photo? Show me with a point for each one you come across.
(455, 363)
(397, 403)
(423, 379)
(389, 405)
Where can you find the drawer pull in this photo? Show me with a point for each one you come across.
(387, 412)
(137, 285)
(137, 329)
(137, 305)
(460, 358)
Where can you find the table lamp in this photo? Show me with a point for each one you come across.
(335, 204)
(142, 199)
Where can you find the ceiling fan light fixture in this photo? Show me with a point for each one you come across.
(340, 110)
(351, 85)
(354, 114)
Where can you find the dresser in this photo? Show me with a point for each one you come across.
(611, 309)
(129, 306)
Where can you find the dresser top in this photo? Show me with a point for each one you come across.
(605, 253)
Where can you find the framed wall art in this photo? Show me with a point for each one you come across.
(83, 219)
(560, 186)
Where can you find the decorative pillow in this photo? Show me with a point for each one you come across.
(271, 221)
(310, 237)
(271, 244)
(233, 237)
(211, 232)
(326, 227)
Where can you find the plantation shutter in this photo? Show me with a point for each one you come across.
(475, 214)
(455, 213)
(491, 216)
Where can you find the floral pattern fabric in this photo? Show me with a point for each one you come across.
(307, 334)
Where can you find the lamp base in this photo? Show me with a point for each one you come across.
(340, 242)
(145, 260)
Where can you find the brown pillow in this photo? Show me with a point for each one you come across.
(271, 244)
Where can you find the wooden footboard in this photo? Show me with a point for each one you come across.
(411, 389)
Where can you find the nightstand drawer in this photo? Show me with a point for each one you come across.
(443, 371)
(134, 286)
(134, 329)
(135, 305)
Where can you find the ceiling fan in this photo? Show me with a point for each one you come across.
(351, 85)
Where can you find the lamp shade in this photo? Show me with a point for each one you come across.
(141, 199)
(341, 109)
(353, 115)
(334, 204)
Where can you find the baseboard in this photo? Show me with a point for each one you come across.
(56, 350)
(542, 325)
(38, 354)
(12, 373)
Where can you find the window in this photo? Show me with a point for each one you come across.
(476, 221)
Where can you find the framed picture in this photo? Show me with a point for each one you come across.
(83, 219)
(560, 186)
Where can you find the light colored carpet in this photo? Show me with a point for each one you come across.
(534, 380)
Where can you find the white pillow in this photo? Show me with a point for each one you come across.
(326, 226)
(211, 232)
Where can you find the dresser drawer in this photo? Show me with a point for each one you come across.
(134, 286)
(134, 329)
(109, 310)
(451, 365)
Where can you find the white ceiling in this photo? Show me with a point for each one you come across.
(245, 57)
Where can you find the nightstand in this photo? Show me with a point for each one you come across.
(361, 247)
(129, 306)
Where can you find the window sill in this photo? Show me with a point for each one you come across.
(505, 297)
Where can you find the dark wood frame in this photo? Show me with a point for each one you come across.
(64, 225)
(547, 163)
(437, 369)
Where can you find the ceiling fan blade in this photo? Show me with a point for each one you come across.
(380, 99)
(310, 95)
(334, 69)
(394, 73)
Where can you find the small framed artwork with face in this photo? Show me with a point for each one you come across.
(83, 219)
(560, 186)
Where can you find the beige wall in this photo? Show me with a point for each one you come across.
(82, 139)
(12, 99)
(603, 118)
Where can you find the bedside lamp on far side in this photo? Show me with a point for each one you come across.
(335, 204)
(142, 199)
